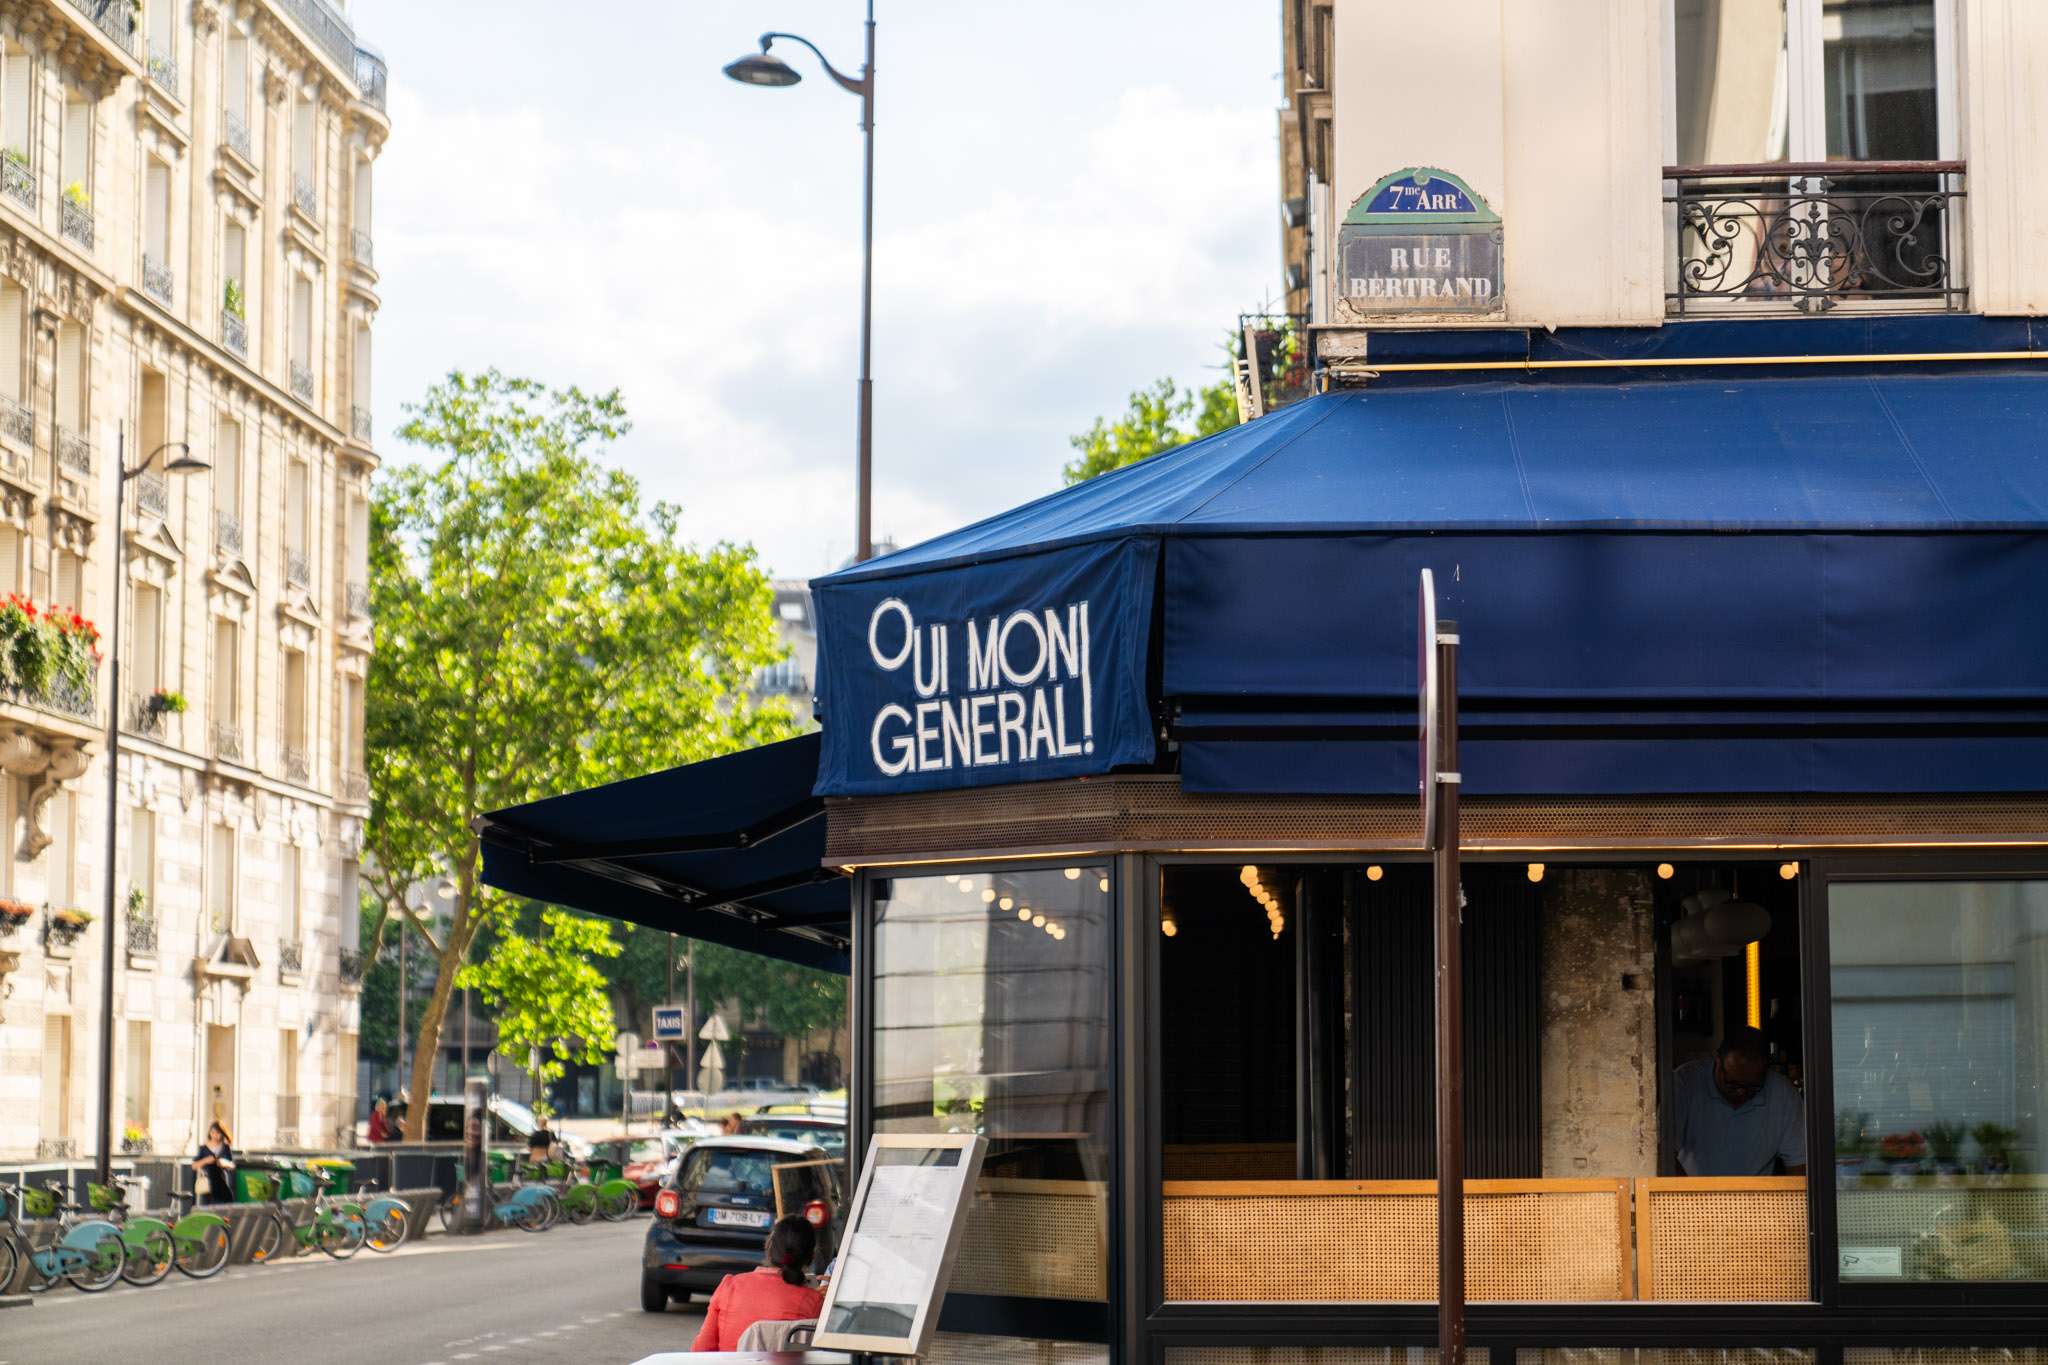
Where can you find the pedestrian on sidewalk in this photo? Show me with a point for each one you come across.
(380, 1121)
(776, 1291)
(212, 1166)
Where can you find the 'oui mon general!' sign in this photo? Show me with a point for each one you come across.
(1419, 241)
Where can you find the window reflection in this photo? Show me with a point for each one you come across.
(1732, 77)
(1878, 58)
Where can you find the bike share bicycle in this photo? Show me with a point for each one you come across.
(89, 1253)
(196, 1244)
(340, 1231)
(532, 1207)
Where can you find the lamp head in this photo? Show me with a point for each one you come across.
(186, 464)
(762, 68)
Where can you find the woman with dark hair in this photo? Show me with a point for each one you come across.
(775, 1291)
(213, 1165)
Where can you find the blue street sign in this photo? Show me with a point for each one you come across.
(670, 1024)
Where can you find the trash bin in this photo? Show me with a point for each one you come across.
(500, 1165)
(256, 1184)
(337, 1172)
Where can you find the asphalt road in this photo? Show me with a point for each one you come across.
(568, 1294)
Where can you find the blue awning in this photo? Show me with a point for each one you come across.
(729, 850)
(1817, 544)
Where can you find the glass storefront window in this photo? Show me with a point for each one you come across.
(1940, 1014)
(991, 1005)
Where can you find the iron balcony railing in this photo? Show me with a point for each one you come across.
(1812, 236)
(157, 280)
(63, 696)
(355, 787)
(17, 422)
(227, 532)
(144, 716)
(163, 68)
(306, 197)
(77, 222)
(359, 424)
(234, 333)
(141, 929)
(298, 569)
(56, 1149)
(353, 963)
(330, 32)
(227, 741)
(234, 131)
(356, 597)
(74, 453)
(153, 495)
(297, 766)
(302, 382)
(115, 18)
(361, 249)
(17, 181)
(291, 957)
(372, 77)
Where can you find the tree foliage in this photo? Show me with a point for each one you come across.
(551, 1002)
(1158, 418)
(792, 1000)
(538, 631)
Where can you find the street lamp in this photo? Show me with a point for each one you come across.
(183, 464)
(764, 68)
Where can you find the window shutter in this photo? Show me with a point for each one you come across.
(65, 592)
(14, 106)
(77, 156)
(11, 311)
(10, 560)
(71, 377)
(236, 77)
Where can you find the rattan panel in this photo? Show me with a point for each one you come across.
(1039, 1239)
(1966, 1229)
(1722, 1240)
(1311, 1355)
(1566, 1242)
(1946, 1355)
(1663, 1355)
(1152, 813)
(1229, 1161)
(961, 1348)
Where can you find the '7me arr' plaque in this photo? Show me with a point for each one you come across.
(1418, 242)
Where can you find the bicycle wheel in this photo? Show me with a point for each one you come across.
(150, 1257)
(98, 1266)
(205, 1253)
(449, 1210)
(387, 1229)
(340, 1238)
(616, 1207)
(10, 1261)
(272, 1240)
(580, 1204)
(529, 1217)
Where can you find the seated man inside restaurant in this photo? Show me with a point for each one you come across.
(1732, 1115)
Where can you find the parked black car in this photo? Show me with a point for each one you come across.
(712, 1216)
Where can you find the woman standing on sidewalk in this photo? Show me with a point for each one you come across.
(211, 1166)
(775, 1291)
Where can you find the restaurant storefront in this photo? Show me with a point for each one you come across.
(1113, 822)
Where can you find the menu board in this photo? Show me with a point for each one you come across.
(901, 1237)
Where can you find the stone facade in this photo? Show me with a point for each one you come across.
(185, 257)
(1599, 1024)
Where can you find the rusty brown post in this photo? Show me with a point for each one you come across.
(1450, 1010)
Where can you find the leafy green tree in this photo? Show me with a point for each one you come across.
(538, 630)
(551, 1002)
(1158, 418)
(792, 1000)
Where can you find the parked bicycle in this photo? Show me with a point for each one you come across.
(387, 1220)
(196, 1244)
(531, 1207)
(338, 1231)
(88, 1253)
(582, 1197)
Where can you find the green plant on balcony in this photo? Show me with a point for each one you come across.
(14, 914)
(233, 300)
(75, 195)
(14, 156)
(134, 1139)
(68, 922)
(167, 701)
(43, 645)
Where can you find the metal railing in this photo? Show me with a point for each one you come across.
(353, 963)
(297, 767)
(74, 452)
(17, 181)
(144, 717)
(65, 697)
(306, 197)
(359, 424)
(227, 741)
(302, 382)
(330, 32)
(157, 280)
(373, 78)
(115, 18)
(141, 929)
(56, 1149)
(291, 957)
(234, 132)
(234, 333)
(153, 495)
(298, 568)
(163, 68)
(1811, 236)
(356, 599)
(17, 421)
(76, 221)
(361, 248)
(227, 532)
(355, 787)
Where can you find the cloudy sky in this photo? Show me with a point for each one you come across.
(1072, 199)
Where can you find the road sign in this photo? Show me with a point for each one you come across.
(671, 1024)
(714, 1031)
(1427, 686)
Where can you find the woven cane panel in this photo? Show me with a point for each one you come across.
(1311, 1355)
(1967, 1229)
(1034, 1239)
(1229, 1161)
(1664, 1355)
(1381, 1248)
(1946, 1355)
(961, 1348)
(1152, 813)
(1723, 1245)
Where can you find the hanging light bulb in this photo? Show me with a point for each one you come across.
(1248, 874)
(966, 885)
(1059, 934)
(1007, 903)
(1103, 885)
(1024, 913)
(1788, 870)
(988, 895)
(1375, 872)
(1038, 921)
(1052, 926)
(1535, 872)
(1168, 925)
(1073, 874)
(1665, 871)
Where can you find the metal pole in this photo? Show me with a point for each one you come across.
(690, 1016)
(668, 1049)
(104, 1164)
(864, 543)
(1450, 1019)
(465, 1036)
(401, 1022)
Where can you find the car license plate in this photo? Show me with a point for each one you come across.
(737, 1218)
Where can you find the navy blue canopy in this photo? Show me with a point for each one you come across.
(729, 850)
(1827, 582)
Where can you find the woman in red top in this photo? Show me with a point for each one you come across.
(776, 1291)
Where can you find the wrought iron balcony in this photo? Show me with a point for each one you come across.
(1813, 236)
(74, 453)
(17, 181)
(330, 32)
(163, 68)
(359, 424)
(141, 929)
(227, 741)
(354, 962)
(234, 333)
(357, 600)
(144, 717)
(227, 532)
(66, 698)
(115, 18)
(372, 77)
(17, 422)
(302, 382)
(297, 766)
(56, 1149)
(291, 957)
(355, 787)
(234, 132)
(306, 197)
(153, 495)
(157, 280)
(77, 221)
(361, 249)
(298, 569)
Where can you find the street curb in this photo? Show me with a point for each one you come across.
(17, 1301)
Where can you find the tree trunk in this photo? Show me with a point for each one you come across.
(426, 1056)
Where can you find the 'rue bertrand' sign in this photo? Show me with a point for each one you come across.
(1419, 241)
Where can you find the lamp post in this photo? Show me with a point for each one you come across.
(764, 68)
(183, 464)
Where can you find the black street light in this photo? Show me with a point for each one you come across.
(764, 68)
(183, 464)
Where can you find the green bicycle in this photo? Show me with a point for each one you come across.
(340, 1230)
(88, 1253)
(585, 1195)
(196, 1245)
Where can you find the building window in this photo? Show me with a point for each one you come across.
(293, 874)
(66, 577)
(227, 649)
(297, 488)
(1940, 1032)
(17, 122)
(234, 302)
(13, 545)
(73, 383)
(163, 44)
(62, 863)
(56, 1077)
(235, 97)
(305, 151)
(135, 1094)
(288, 1082)
(294, 718)
(147, 640)
(220, 879)
(158, 280)
(156, 414)
(227, 468)
(74, 169)
(17, 425)
(302, 338)
(142, 853)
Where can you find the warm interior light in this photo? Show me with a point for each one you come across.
(1375, 872)
(1024, 913)
(966, 885)
(1168, 928)
(1535, 872)
(1788, 870)
(1753, 972)
(1073, 874)
(1007, 903)
(1038, 921)
(1248, 874)
(1665, 871)
(988, 895)
(1059, 934)
(1102, 885)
